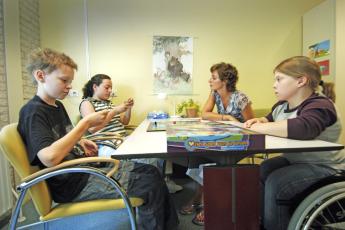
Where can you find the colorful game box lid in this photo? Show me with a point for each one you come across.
(199, 136)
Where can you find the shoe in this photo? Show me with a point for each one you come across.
(190, 209)
(199, 218)
(172, 186)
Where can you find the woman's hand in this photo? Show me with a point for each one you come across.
(129, 103)
(227, 117)
(125, 106)
(90, 148)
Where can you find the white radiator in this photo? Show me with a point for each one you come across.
(5, 186)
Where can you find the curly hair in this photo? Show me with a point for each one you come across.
(48, 60)
(97, 80)
(227, 72)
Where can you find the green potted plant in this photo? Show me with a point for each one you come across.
(188, 108)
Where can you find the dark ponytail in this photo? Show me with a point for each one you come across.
(97, 80)
(328, 89)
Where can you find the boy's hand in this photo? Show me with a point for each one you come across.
(97, 118)
(250, 122)
(90, 148)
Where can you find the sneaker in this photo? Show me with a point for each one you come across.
(172, 186)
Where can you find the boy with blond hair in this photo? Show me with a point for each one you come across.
(50, 139)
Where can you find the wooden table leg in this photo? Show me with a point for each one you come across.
(232, 197)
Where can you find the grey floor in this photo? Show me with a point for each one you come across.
(179, 198)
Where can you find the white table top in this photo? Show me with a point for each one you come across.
(145, 144)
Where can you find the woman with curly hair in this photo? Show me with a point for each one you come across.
(232, 105)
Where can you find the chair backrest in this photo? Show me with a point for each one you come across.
(12, 146)
(261, 112)
(76, 119)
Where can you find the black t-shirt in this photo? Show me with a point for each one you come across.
(40, 125)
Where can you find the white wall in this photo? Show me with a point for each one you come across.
(323, 22)
(340, 60)
(318, 26)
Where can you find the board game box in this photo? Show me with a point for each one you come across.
(200, 136)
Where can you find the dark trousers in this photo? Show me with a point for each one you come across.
(280, 182)
(139, 180)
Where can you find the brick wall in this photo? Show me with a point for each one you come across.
(5, 195)
(29, 40)
(4, 119)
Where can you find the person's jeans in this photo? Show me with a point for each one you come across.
(196, 166)
(281, 181)
(106, 151)
(139, 180)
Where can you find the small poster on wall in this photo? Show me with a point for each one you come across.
(172, 64)
(324, 67)
(318, 50)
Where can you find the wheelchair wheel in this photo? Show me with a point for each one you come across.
(323, 209)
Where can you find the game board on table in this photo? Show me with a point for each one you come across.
(157, 126)
(201, 135)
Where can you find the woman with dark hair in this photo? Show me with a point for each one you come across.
(96, 94)
(232, 105)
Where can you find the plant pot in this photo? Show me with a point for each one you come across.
(191, 112)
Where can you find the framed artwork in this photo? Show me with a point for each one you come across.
(318, 50)
(324, 67)
(172, 64)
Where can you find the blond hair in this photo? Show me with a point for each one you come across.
(48, 60)
(301, 66)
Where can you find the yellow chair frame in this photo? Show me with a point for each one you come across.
(33, 180)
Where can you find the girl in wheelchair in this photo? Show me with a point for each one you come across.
(301, 113)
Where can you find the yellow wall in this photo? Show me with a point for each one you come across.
(340, 60)
(13, 60)
(253, 35)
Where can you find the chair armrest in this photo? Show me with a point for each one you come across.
(65, 168)
(130, 127)
(105, 138)
(74, 162)
(103, 134)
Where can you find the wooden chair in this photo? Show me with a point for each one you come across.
(33, 180)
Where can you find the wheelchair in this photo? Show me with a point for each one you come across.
(322, 206)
